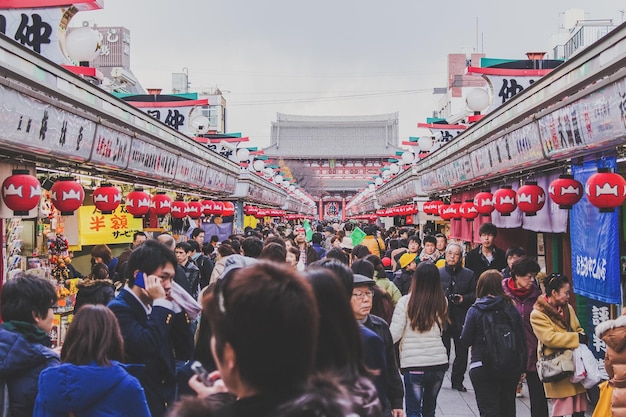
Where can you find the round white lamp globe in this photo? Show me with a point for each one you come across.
(477, 99)
(372, 187)
(83, 44)
(278, 179)
(394, 168)
(199, 125)
(378, 181)
(425, 143)
(258, 165)
(407, 157)
(243, 154)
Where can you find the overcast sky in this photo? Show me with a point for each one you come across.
(328, 57)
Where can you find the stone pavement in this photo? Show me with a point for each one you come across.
(452, 403)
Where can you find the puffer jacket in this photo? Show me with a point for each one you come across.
(555, 333)
(70, 388)
(417, 349)
(21, 362)
(525, 307)
(94, 291)
(613, 332)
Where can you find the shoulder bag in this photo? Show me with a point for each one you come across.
(555, 366)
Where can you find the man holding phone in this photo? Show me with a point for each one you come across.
(156, 331)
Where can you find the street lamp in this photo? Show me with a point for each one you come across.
(477, 100)
(83, 45)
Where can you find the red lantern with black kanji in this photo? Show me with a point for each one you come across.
(484, 203)
(468, 210)
(218, 208)
(565, 191)
(179, 209)
(138, 203)
(106, 198)
(161, 204)
(67, 195)
(194, 209)
(207, 207)
(228, 209)
(530, 198)
(504, 200)
(21, 192)
(606, 190)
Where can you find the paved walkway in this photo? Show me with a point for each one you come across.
(452, 403)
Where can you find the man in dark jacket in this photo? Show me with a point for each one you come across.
(361, 302)
(486, 255)
(27, 312)
(459, 285)
(156, 331)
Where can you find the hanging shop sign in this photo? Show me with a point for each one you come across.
(146, 158)
(32, 125)
(175, 114)
(111, 148)
(96, 228)
(595, 256)
(190, 172)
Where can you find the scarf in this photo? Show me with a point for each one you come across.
(31, 332)
(521, 293)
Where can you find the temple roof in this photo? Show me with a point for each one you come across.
(303, 137)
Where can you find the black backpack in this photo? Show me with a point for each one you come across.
(505, 342)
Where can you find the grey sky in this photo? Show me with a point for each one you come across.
(327, 57)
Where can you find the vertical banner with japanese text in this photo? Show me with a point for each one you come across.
(96, 228)
(595, 256)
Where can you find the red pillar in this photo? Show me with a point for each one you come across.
(321, 209)
(343, 209)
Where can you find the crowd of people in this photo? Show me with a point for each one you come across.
(270, 323)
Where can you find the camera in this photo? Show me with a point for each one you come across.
(454, 298)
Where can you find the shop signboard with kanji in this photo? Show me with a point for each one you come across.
(95, 228)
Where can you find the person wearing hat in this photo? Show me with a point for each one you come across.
(408, 264)
(392, 393)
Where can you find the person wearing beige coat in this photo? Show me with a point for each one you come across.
(556, 326)
(613, 332)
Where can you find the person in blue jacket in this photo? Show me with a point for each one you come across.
(91, 381)
(27, 303)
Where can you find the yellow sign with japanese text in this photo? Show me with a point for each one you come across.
(95, 228)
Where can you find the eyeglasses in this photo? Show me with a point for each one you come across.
(362, 295)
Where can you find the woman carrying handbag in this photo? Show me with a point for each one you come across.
(557, 328)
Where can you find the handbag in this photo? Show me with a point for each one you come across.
(603, 406)
(555, 366)
(586, 368)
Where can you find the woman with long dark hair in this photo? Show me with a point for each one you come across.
(339, 349)
(418, 323)
(91, 381)
(494, 389)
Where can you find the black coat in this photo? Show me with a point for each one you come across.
(94, 291)
(157, 341)
(462, 281)
(476, 261)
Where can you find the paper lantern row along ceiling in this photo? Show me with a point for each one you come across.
(406, 210)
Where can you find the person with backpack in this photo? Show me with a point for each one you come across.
(523, 289)
(495, 331)
(418, 322)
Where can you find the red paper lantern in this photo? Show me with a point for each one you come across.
(468, 210)
(504, 200)
(446, 211)
(456, 211)
(434, 207)
(179, 209)
(409, 219)
(194, 209)
(207, 207)
(67, 195)
(218, 208)
(565, 191)
(530, 198)
(484, 203)
(606, 190)
(106, 198)
(161, 204)
(261, 213)
(250, 210)
(138, 203)
(21, 192)
(228, 209)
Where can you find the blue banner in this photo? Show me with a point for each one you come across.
(595, 243)
(597, 312)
